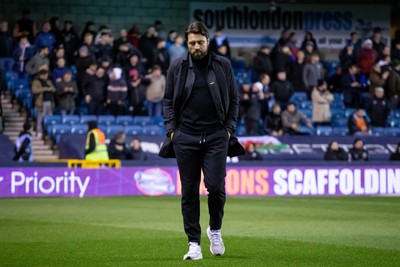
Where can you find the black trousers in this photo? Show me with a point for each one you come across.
(196, 153)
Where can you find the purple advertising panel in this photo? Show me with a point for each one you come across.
(240, 181)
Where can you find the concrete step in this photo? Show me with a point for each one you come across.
(14, 118)
(43, 153)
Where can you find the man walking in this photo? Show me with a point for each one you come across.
(200, 109)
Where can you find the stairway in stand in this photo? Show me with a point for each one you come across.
(13, 125)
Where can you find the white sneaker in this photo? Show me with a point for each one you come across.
(217, 246)
(194, 252)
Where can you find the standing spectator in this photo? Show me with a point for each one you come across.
(282, 89)
(171, 39)
(347, 57)
(377, 43)
(254, 101)
(83, 62)
(251, 153)
(55, 30)
(59, 72)
(358, 152)
(292, 44)
(134, 35)
(23, 145)
(136, 94)
(159, 26)
(395, 53)
(39, 61)
(88, 42)
(147, 45)
(177, 49)
(136, 152)
(321, 99)
(309, 51)
(358, 123)
(263, 85)
(104, 47)
(59, 53)
(106, 63)
(89, 28)
(335, 153)
(281, 58)
(393, 87)
(351, 87)
(25, 26)
(262, 63)
(117, 92)
(291, 119)
(43, 91)
(378, 110)
(123, 49)
(335, 81)
(355, 43)
(22, 54)
(395, 156)
(273, 122)
(309, 38)
(134, 64)
(378, 77)
(103, 30)
(155, 91)
(6, 41)
(95, 88)
(161, 56)
(45, 38)
(220, 40)
(67, 91)
(117, 148)
(367, 57)
(70, 39)
(295, 75)
(312, 73)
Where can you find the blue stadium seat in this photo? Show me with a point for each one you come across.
(79, 129)
(339, 122)
(113, 129)
(70, 119)
(86, 118)
(21, 94)
(306, 112)
(338, 97)
(240, 130)
(394, 122)
(305, 104)
(103, 128)
(142, 120)
(349, 111)
(298, 97)
(124, 120)
(157, 120)
(337, 113)
(51, 119)
(58, 129)
(7, 63)
(153, 130)
(392, 132)
(378, 131)
(307, 130)
(324, 130)
(132, 130)
(238, 64)
(340, 131)
(106, 119)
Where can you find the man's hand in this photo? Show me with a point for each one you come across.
(229, 134)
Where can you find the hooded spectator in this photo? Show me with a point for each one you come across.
(117, 91)
(335, 153)
(358, 152)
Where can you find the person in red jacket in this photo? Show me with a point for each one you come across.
(367, 57)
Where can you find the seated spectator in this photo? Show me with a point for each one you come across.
(295, 75)
(253, 100)
(38, 62)
(135, 151)
(177, 49)
(117, 91)
(291, 119)
(351, 87)
(312, 73)
(367, 57)
(251, 153)
(22, 54)
(262, 63)
(335, 82)
(45, 38)
(67, 91)
(136, 94)
(273, 122)
(395, 156)
(244, 96)
(334, 152)
(281, 58)
(308, 37)
(282, 89)
(24, 145)
(117, 148)
(43, 91)
(263, 85)
(59, 71)
(321, 100)
(358, 123)
(357, 152)
(155, 91)
(6, 40)
(378, 110)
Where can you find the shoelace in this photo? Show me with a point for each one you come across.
(216, 237)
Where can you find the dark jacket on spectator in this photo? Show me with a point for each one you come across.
(353, 125)
(114, 153)
(262, 64)
(282, 90)
(66, 100)
(378, 111)
(359, 154)
(295, 76)
(339, 154)
(95, 87)
(273, 122)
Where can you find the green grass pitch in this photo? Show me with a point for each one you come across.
(148, 231)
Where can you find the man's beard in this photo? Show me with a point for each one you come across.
(198, 54)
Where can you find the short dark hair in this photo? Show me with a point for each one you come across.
(197, 27)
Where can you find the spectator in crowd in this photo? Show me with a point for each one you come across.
(321, 100)
(395, 52)
(273, 122)
(134, 64)
(263, 85)
(161, 56)
(55, 30)
(253, 100)
(88, 42)
(155, 91)
(95, 89)
(218, 41)
(377, 43)
(25, 26)
(392, 88)
(117, 91)
(89, 28)
(135, 151)
(172, 35)
(351, 87)
(358, 152)
(282, 89)
(309, 50)
(355, 42)
(59, 71)
(281, 58)
(7, 43)
(244, 96)
(292, 44)
(45, 38)
(347, 57)
(103, 30)
(367, 57)
(283, 39)
(123, 49)
(295, 75)
(104, 47)
(262, 63)
(117, 148)
(96, 148)
(83, 62)
(58, 53)
(67, 91)
(39, 61)
(291, 119)
(335, 153)
(251, 152)
(43, 91)
(134, 35)
(177, 49)
(378, 110)
(358, 123)
(136, 94)
(312, 73)
(147, 45)
(159, 26)
(24, 145)
(335, 81)
(395, 156)
(309, 38)
(106, 63)
(70, 39)
(378, 77)
(22, 54)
